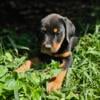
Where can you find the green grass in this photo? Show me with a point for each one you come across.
(81, 83)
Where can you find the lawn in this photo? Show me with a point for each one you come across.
(82, 81)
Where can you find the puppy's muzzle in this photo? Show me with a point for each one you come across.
(47, 45)
(46, 48)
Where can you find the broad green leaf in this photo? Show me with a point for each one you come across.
(8, 56)
(3, 70)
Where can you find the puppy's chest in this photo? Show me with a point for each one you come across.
(47, 58)
(64, 47)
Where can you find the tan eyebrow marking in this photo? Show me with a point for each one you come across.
(55, 30)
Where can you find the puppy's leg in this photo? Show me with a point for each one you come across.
(57, 81)
(64, 54)
(27, 65)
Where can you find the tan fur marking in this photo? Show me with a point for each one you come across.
(64, 54)
(27, 65)
(63, 64)
(56, 46)
(57, 82)
(55, 30)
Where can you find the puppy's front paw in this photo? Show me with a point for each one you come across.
(54, 85)
(56, 82)
(23, 68)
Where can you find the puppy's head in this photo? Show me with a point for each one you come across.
(54, 29)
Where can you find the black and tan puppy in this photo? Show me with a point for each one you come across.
(57, 40)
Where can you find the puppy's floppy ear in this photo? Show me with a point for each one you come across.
(69, 28)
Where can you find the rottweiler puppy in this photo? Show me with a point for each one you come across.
(57, 39)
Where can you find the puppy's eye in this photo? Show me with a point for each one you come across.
(55, 30)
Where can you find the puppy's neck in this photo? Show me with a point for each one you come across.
(63, 47)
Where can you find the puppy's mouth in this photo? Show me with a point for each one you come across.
(46, 50)
(50, 49)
